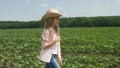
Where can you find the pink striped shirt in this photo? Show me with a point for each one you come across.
(46, 53)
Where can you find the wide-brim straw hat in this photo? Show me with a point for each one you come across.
(51, 13)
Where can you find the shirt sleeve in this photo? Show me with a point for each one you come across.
(44, 41)
(58, 50)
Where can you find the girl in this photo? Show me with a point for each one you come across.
(51, 39)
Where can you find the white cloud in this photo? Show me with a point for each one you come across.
(100, 5)
(27, 1)
(97, 9)
(106, 4)
(116, 1)
(60, 8)
(43, 5)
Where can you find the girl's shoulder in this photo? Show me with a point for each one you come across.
(45, 31)
(48, 30)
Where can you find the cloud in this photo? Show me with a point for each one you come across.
(27, 1)
(116, 1)
(43, 5)
(105, 4)
(60, 8)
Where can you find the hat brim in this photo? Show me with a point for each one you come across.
(49, 15)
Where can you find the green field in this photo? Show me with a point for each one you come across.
(86, 47)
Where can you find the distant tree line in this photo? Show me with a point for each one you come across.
(20, 24)
(101, 21)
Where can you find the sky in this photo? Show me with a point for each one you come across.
(33, 10)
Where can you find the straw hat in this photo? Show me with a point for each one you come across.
(51, 13)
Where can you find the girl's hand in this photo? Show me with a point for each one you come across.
(57, 39)
(60, 61)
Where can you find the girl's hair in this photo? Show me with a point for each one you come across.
(51, 23)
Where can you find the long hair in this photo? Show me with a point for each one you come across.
(51, 23)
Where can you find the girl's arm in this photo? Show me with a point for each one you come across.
(52, 42)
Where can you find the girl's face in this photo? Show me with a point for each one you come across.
(53, 21)
(56, 20)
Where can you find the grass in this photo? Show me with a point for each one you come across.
(86, 47)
